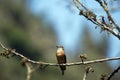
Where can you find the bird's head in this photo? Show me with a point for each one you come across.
(60, 47)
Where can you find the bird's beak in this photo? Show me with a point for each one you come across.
(57, 46)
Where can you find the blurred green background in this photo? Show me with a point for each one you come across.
(27, 33)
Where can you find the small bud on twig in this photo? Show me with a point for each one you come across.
(83, 57)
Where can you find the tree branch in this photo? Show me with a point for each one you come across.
(105, 7)
(55, 64)
(91, 16)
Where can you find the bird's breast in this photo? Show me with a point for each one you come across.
(60, 53)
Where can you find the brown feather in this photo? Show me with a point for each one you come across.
(61, 58)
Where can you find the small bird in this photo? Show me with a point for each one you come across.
(61, 58)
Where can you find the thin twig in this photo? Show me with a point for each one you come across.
(113, 73)
(77, 1)
(85, 76)
(88, 69)
(29, 71)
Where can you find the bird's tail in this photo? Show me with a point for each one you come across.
(63, 68)
(62, 72)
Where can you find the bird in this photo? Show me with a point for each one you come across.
(61, 58)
